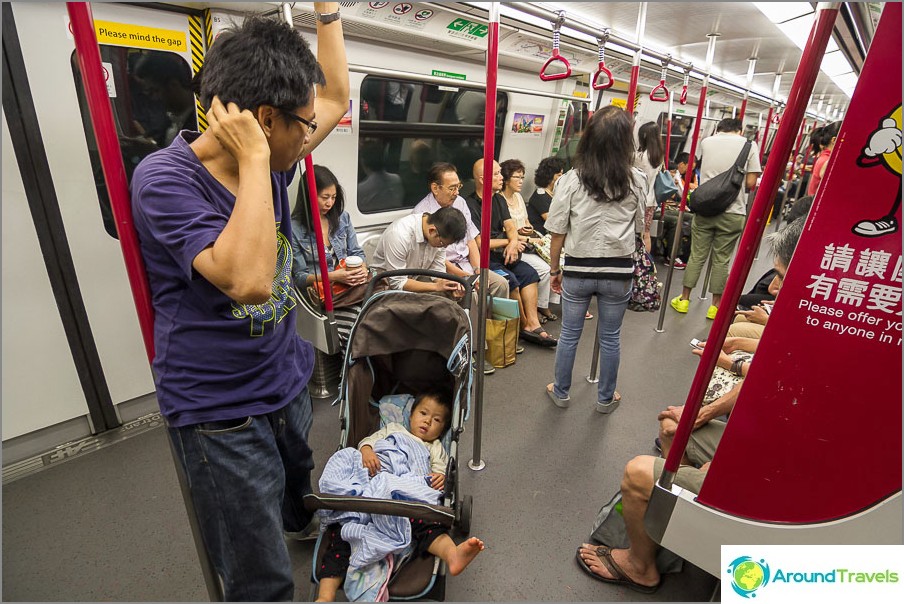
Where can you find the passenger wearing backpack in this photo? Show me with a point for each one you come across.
(718, 234)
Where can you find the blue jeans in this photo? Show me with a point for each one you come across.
(612, 296)
(247, 479)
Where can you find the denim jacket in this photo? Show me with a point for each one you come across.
(304, 244)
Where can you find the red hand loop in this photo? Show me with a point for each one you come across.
(661, 93)
(556, 57)
(602, 71)
(684, 95)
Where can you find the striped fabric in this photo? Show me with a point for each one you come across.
(599, 268)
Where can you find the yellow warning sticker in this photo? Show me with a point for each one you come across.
(140, 36)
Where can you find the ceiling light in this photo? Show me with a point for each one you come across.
(834, 63)
(779, 12)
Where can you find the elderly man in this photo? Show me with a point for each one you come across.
(504, 250)
(463, 256)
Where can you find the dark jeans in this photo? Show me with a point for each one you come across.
(669, 224)
(247, 478)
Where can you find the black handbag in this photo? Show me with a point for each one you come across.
(715, 195)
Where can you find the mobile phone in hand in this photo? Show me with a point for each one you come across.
(695, 343)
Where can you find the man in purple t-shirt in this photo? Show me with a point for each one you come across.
(213, 220)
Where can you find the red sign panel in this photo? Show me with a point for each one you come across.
(816, 432)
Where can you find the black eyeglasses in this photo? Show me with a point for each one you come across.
(311, 124)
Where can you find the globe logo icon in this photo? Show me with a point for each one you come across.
(748, 575)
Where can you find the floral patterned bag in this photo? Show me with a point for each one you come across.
(646, 289)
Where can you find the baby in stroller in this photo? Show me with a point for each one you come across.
(430, 416)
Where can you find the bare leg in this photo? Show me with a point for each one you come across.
(639, 560)
(328, 588)
(686, 293)
(456, 557)
(717, 300)
(530, 320)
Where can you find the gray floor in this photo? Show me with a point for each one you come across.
(111, 526)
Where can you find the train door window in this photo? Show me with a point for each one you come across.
(681, 130)
(576, 118)
(151, 96)
(406, 127)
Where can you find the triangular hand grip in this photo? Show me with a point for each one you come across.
(605, 73)
(556, 57)
(683, 100)
(660, 94)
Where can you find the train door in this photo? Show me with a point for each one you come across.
(137, 45)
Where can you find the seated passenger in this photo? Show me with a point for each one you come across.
(505, 247)
(462, 257)
(418, 241)
(512, 182)
(635, 567)
(378, 189)
(751, 323)
(430, 416)
(545, 177)
(340, 241)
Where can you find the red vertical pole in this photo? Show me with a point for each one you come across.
(809, 148)
(486, 215)
(743, 108)
(635, 66)
(804, 80)
(766, 132)
(318, 235)
(89, 63)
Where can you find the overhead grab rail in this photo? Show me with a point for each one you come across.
(660, 93)
(556, 57)
(602, 70)
(592, 30)
(687, 77)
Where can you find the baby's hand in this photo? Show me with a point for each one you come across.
(437, 480)
(370, 460)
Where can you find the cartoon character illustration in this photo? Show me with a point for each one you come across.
(884, 147)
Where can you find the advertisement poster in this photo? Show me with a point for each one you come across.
(345, 124)
(528, 124)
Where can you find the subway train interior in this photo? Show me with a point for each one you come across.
(95, 504)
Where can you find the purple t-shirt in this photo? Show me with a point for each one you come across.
(216, 359)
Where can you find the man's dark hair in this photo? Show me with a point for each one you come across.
(800, 208)
(450, 223)
(441, 398)
(437, 171)
(729, 124)
(549, 167)
(260, 62)
(683, 158)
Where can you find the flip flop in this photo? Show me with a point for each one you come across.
(534, 337)
(605, 556)
(550, 316)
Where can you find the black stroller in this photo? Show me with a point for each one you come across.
(405, 343)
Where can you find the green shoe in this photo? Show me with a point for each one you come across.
(711, 312)
(681, 305)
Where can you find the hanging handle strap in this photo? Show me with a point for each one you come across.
(661, 93)
(687, 77)
(602, 71)
(556, 57)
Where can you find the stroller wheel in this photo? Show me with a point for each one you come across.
(463, 512)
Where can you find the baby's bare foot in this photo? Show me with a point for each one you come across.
(464, 554)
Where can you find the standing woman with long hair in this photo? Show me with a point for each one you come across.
(648, 158)
(597, 212)
(339, 240)
(822, 144)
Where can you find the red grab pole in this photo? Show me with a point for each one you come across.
(766, 131)
(318, 234)
(804, 80)
(89, 63)
(635, 66)
(486, 215)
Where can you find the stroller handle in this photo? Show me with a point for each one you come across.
(466, 282)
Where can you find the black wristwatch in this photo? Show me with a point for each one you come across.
(326, 17)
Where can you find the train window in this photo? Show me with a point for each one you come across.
(681, 132)
(576, 119)
(152, 101)
(407, 126)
